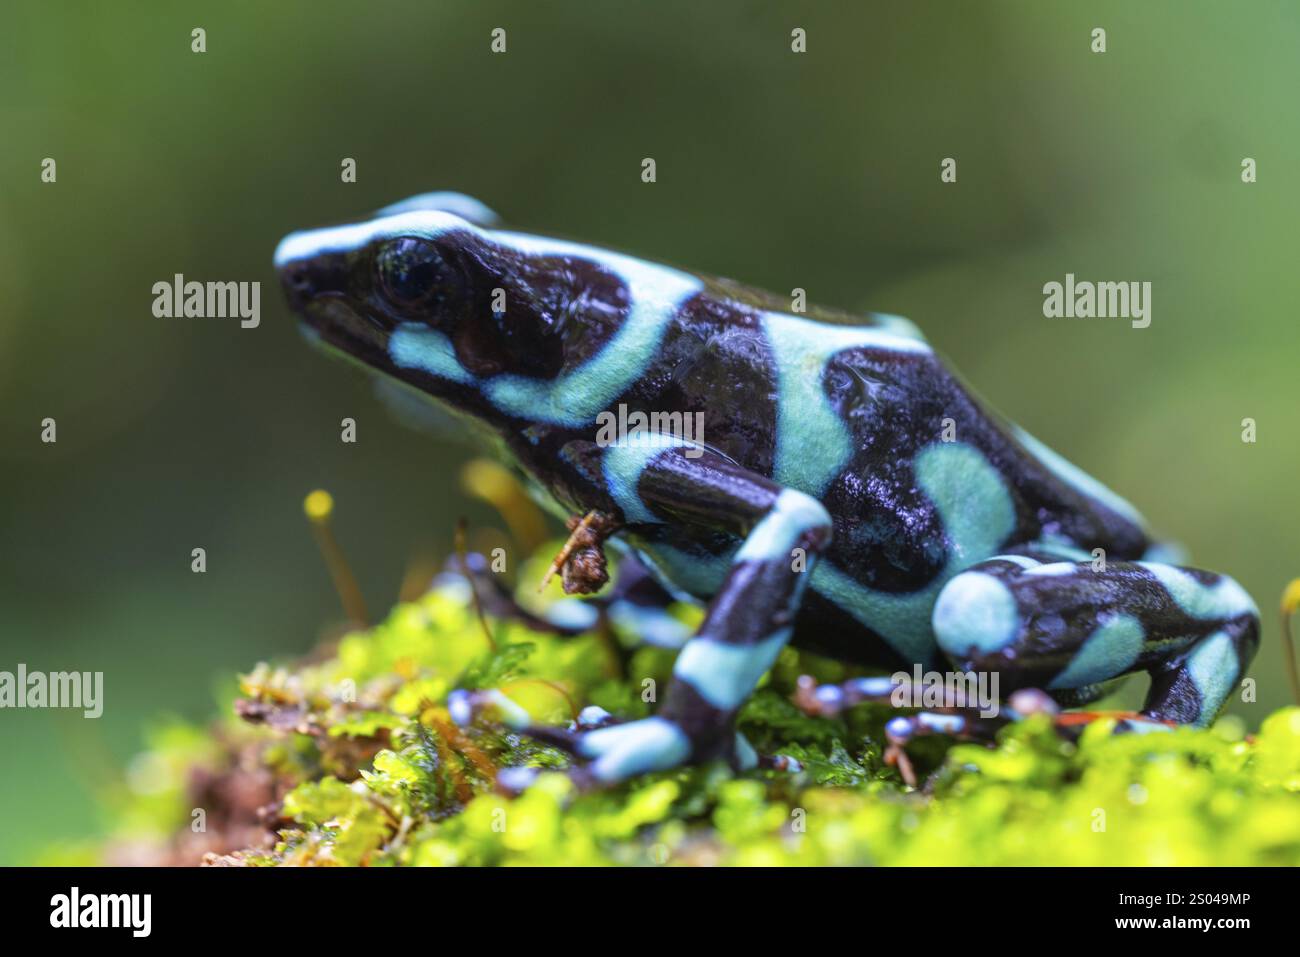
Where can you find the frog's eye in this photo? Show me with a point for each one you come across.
(412, 272)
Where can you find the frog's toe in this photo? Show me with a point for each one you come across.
(514, 781)
(594, 716)
(607, 750)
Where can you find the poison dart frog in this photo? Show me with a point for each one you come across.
(841, 490)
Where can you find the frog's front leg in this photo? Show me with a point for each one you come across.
(747, 624)
(1062, 625)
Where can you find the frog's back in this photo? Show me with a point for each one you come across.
(849, 412)
(921, 480)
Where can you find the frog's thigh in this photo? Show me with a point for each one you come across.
(749, 619)
(1070, 625)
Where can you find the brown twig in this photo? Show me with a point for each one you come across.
(465, 746)
(463, 791)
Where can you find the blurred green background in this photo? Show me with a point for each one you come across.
(818, 170)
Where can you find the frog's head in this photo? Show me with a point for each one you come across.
(428, 295)
(407, 272)
(490, 321)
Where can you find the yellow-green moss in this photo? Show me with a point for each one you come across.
(364, 767)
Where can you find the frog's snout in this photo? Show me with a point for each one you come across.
(306, 279)
(296, 284)
(317, 288)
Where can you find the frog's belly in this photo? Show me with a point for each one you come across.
(839, 616)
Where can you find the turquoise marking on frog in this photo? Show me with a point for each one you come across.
(1117, 643)
(1222, 599)
(725, 673)
(1053, 568)
(976, 611)
(775, 537)
(972, 501)
(415, 347)
(624, 462)
(575, 398)
(813, 442)
(1211, 665)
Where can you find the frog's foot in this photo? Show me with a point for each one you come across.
(827, 701)
(616, 752)
(611, 753)
(961, 725)
(952, 715)
(609, 750)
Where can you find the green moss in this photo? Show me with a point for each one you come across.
(360, 764)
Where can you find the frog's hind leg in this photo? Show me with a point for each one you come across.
(1063, 625)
